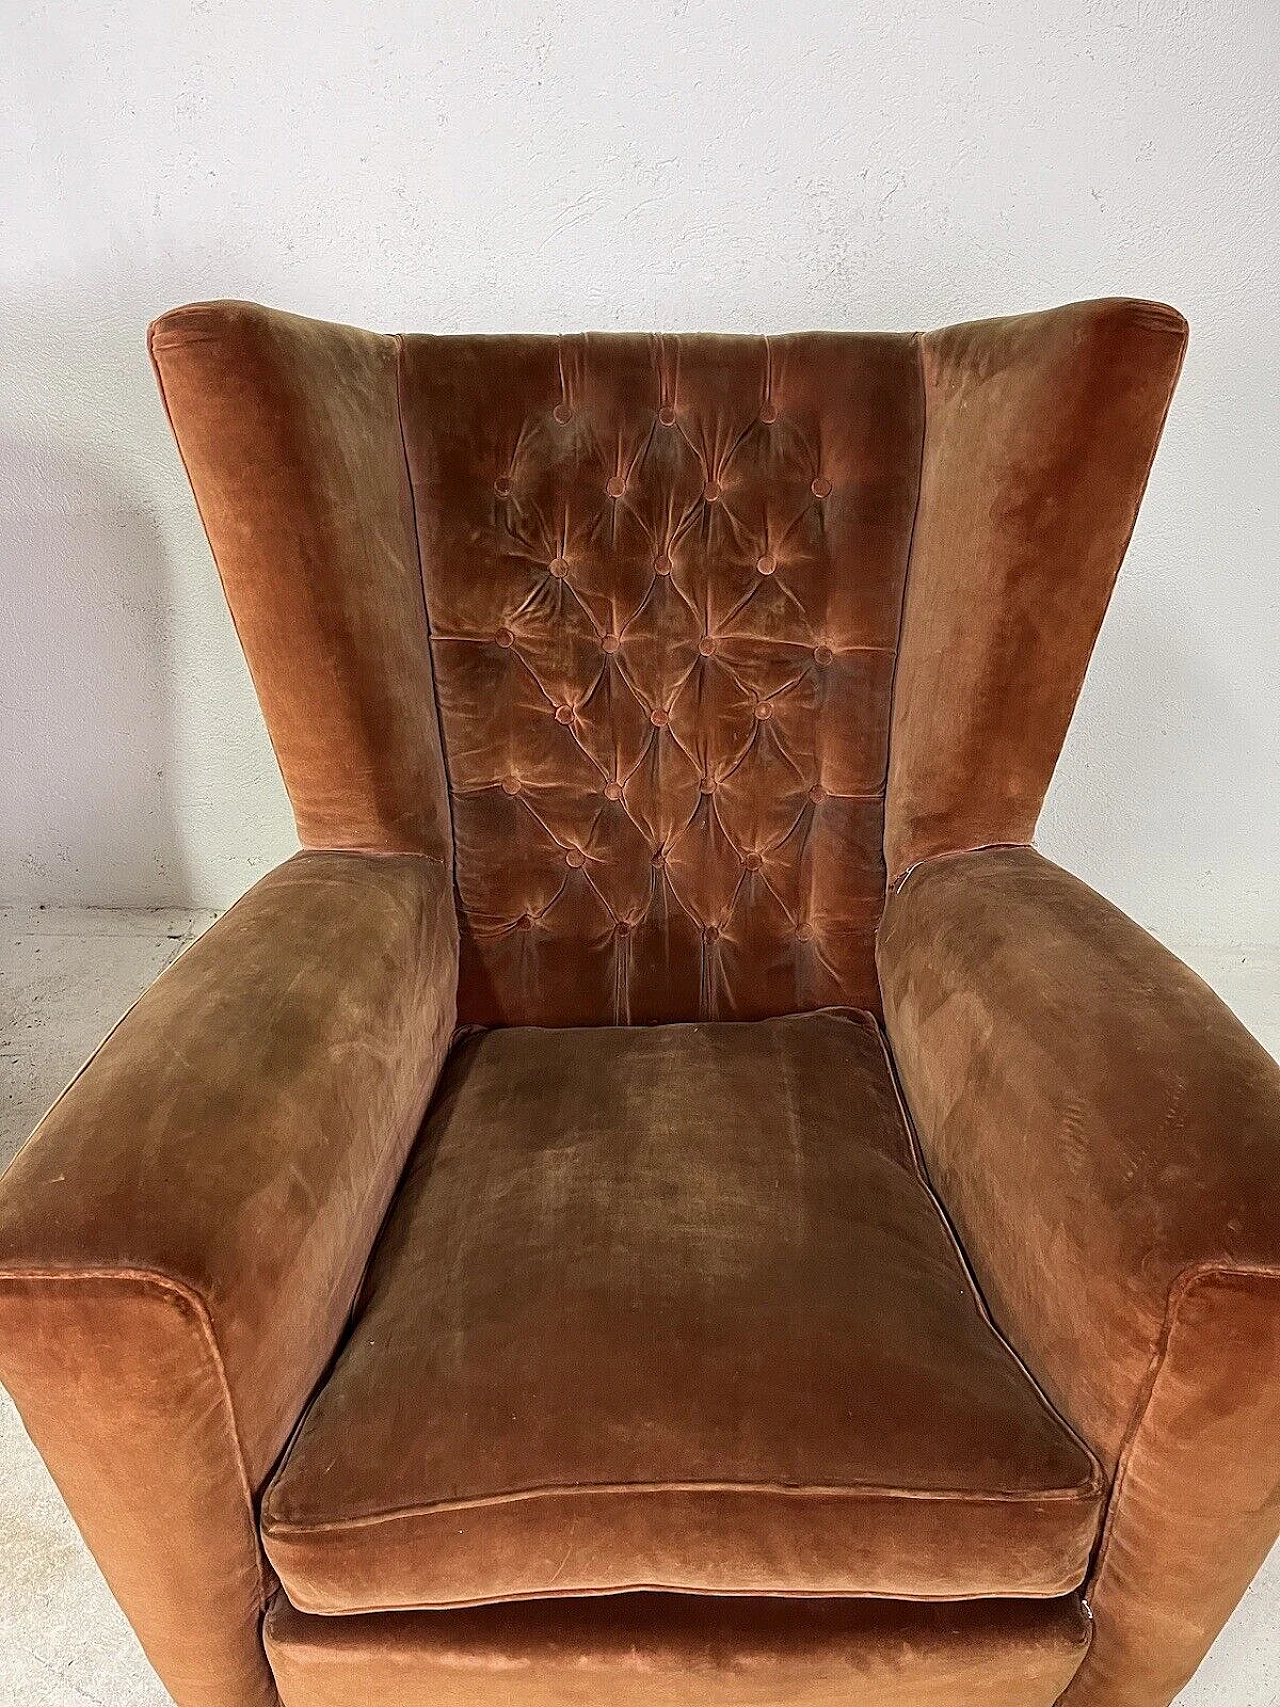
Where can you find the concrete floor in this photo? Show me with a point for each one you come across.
(65, 977)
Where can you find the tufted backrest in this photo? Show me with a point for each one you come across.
(617, 624)
(663, 583)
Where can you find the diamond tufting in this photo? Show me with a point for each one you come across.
(663, 580)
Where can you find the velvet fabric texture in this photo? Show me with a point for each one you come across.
(182, 1238)
(672, 1307)
(1106, 1135)
(1041, 430)
(616, 682)
(290, 433)
(664, 579)
(664, 1650)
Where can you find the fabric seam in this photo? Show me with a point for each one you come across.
(922, 382)
(1187, 1278)
(399, 343)
(190, 1306)
(854, 1492)
(914, 1598)
(1096, 1485)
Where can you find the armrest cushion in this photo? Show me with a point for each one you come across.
(182, 1237)
(1106, 1136)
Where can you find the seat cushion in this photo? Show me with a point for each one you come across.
(673, 1308)
(675, 1650)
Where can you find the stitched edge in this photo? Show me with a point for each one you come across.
(918, 341)
(1096, 1485)
(1081, 1492)
(855, 1492)
(899, 883)
(1187, 1278)
(313, 1607)
(398, 343)
(192, 1307)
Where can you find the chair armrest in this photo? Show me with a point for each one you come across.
(182, 1238)
(1106, 1136)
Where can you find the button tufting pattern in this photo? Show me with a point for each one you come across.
(673, 759)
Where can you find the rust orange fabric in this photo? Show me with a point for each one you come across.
(667, 1130)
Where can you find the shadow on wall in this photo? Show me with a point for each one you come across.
(134, 766)
(87, 701)
(114, 640)
(1138, 807)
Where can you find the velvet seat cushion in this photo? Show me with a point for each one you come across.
(674, 1308)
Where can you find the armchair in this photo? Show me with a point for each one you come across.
(668, 1196)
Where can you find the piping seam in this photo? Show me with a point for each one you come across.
(185, 1299)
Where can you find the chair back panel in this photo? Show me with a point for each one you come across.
(664, 581)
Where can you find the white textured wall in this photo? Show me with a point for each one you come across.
(556, 165)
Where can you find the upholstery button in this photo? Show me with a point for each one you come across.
(504, 637)
(804, 933)
(667, 415)
(658, 717)
(616, 486)
(622, 928)
(711, 491)
(753, 861)
(563, 413)
(768, 414)
(764, 711)
(706, 646)
(707, 785)
(575, 857)
(610, 643)
(511, 785)
(767, 564)
(821, 487)
(613, 791)
(659, 860)
(823, 655)
(662, 565)
(711, 934)
(564, 714)
(502, 486)
(524, 923)
(817, 794)
(558, 567)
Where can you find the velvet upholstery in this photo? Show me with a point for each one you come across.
(290, 433)
(624, 689)
(1040, 434)
(183, 1236)
(664, 578)
(767, 1373)
(670, 1650)
(1106, 1135)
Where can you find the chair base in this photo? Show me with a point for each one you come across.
(681, 1650)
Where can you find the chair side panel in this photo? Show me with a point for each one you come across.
(289, 433)
(1041, 433)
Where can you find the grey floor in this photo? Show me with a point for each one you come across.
(65, 977)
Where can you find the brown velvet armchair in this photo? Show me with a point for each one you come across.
(668, 1199)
